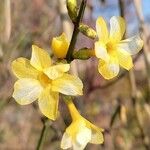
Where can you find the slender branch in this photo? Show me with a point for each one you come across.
(43, 134)
(143, 29)
(75, 31)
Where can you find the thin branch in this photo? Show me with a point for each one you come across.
(43, 134)
(75, 31)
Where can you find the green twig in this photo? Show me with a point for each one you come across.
(69, 57)
(43, 134)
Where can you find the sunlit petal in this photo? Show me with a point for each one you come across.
(117, 28)
(68, 84)
(124, 58)
(48, 103)
(84, 136)
(101, 51)
(101, 28)
(97, 138)
(56, 71)
(66, 141)
(22, 68)
(109, 69)
(132, 45)
(40, 59)
(26, 91)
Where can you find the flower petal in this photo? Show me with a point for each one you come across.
(97, 138)
(101, 51)
(60, 46)
(117, 28)
(101, 28)
(48, 103)
(124, 58)
(26, 91)
(83, 136)
(40, 58)
(22, 68)
(56, 71)
(68, 84)
(108, 69)
(132, 45)
(66, 141)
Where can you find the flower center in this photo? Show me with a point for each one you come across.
(44, 80)
(110, 47)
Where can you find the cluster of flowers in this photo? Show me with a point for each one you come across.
(41, 79)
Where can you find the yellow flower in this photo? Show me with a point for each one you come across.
(80, 132)
(39, 79)
(111, 50)
(60, 46)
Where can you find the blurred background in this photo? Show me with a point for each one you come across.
(120, 106)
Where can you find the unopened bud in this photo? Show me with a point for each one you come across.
(72, 9)
(87, 31)
(60, 46)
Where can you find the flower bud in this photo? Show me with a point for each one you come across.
(72, 9)
(60, 46)
(87, 31)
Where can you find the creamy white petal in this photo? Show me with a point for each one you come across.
(66, 141)
(84, 136)
(117, 28)
(132, 45)
(26, 91)
(101, 51)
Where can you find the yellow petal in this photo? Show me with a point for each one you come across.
(66, 141)
(22, 68)
(124, 58)
(101, 51)
(56, 71)
(83, 136)
(48, 103)
(101, 28)
(60, 46)
(117, 28)
(68, 85)
(109, 69)
(40, 58)
(26, 91)
(132, 45)
(97, 138)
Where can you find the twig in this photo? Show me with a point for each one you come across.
(75, 31)
(138, 7)
(43, 134)
(133, 87)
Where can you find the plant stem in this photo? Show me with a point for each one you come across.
(69, 57)
(42, 135)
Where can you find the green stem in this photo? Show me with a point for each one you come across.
(42, 135)
(75, 31)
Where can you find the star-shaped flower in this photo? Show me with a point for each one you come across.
(111, 50)
(39, 79)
